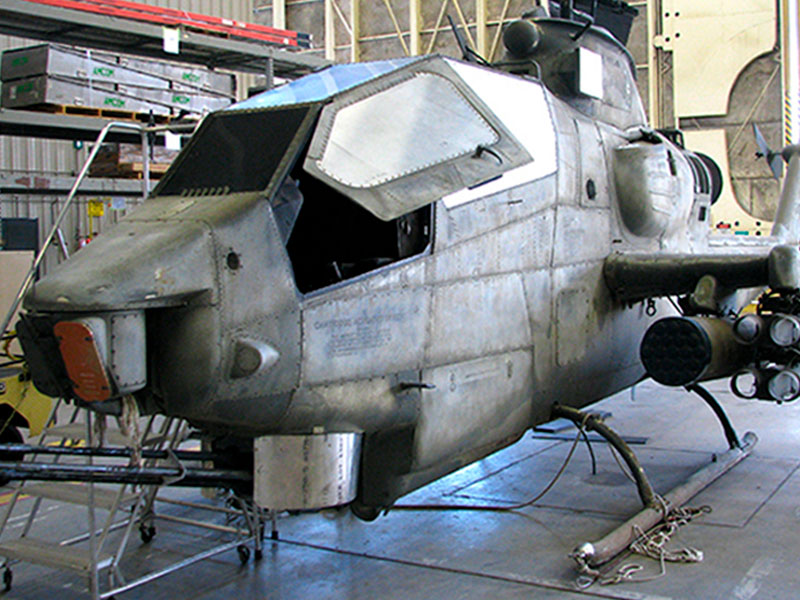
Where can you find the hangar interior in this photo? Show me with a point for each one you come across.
(710, 69)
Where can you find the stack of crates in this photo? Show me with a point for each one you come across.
(53, 76)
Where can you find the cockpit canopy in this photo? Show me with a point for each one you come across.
(352, 158)
(392, 136)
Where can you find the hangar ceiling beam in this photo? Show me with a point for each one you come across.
(398, 30)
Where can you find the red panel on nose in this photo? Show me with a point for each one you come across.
(82, 359)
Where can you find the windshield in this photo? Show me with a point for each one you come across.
(234, 152)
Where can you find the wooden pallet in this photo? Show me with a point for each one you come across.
(93, 111)
(129, 170)
(135, 170)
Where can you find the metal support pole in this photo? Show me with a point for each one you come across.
(355, 30)
(171, 569)
(146, 453)
(790, 58)
(62, 242)
(653, 79)
(330, 31)
(727, 427)
(481, 33)
(94, 582)
(415, 27)
(100, 473)
(269, 74)
(145, 164)
(279, 14)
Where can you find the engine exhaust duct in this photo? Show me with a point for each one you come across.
(784, 386)
(748, 328)
(747, 383)
(784, 330)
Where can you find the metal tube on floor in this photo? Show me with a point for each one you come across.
(601, 551)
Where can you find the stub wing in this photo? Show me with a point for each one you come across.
(638, 276)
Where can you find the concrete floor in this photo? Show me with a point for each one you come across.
(749, 540)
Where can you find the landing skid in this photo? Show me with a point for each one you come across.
(590, 555)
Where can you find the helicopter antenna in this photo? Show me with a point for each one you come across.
(467, 53)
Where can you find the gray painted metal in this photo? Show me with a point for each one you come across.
(411, 172)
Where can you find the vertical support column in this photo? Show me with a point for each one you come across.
(481, 34)
(790, 59)
(355, 26)
(330, 31)
(653, 81)
(269, 73)
(145, 167)
(279, 14)
(415, 26)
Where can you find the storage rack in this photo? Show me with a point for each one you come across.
(26, 19)
(116, 34)
(28, 123)
(22, 183)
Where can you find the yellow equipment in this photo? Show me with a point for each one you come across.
(21, 404)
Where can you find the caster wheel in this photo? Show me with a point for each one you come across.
(244, 553)
(147, 533)
(8, 577)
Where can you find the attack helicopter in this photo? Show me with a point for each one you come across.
(365, 279)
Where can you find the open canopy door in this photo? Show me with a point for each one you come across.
(409, 138)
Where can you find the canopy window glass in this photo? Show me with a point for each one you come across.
(417, 124)
(412, 137)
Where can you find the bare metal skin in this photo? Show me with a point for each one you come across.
(431, 256)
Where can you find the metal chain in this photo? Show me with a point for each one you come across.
(651, 544)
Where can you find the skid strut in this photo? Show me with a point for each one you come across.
(597, 553)
(593, 554)
(727, 427)
(593, 423)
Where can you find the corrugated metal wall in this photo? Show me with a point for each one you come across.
(60, 157)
